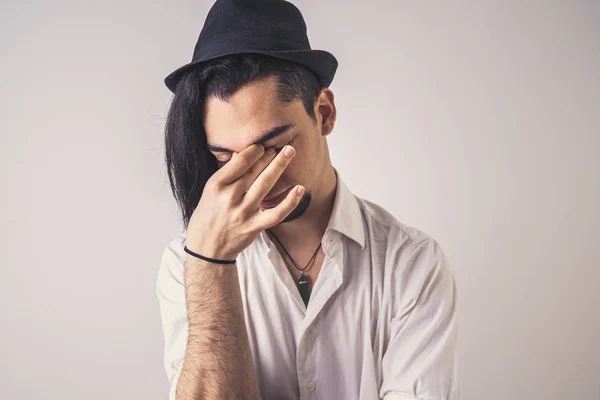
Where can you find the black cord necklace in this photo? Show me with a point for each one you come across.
(302, 280)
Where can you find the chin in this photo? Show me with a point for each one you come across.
(300, 208)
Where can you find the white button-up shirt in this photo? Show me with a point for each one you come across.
(380, 322)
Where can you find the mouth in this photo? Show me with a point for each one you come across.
(274, 201)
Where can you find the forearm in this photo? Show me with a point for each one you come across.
(218, 361)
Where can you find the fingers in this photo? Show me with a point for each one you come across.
(238, 165)
(256, 169)
(275, 215)
(268, 177)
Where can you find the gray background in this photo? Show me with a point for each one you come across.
(477, 122)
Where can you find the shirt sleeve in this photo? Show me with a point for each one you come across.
(420, 360)
(170, 289)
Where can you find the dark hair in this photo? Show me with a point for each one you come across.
(189, 163)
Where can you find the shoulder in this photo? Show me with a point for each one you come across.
(174, 247)
(384, 227)
(412, 259)
(172, 259)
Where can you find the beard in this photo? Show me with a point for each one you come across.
(300, 208)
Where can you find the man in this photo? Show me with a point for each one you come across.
(284, 285)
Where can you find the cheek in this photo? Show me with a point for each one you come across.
(299, 169)
(308, 154)
(300, 158)
(302, 166)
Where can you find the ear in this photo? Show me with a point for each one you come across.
(325, 111)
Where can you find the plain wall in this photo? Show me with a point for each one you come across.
(488, 112)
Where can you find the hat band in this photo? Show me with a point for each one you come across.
(238, 41)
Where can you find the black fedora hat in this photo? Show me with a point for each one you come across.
(271, 27)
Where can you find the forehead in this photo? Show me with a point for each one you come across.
(251, 111)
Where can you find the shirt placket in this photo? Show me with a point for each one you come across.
(306, 356)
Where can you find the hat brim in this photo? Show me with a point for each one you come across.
(322, 63)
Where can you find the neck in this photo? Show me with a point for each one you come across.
(312, 224)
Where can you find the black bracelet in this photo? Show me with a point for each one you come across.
(212, 260)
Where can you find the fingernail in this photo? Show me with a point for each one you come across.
(288, 151)
(271, 150)
(300, 190)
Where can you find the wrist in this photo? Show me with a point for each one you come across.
(212, 257)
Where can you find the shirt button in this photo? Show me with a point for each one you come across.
(311, 387)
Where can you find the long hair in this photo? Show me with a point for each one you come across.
(189, 163)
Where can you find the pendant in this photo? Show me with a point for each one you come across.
(303, 287)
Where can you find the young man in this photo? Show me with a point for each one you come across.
(284, 285)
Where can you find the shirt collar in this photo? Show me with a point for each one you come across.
(346, 216)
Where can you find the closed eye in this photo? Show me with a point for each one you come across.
(277, 150)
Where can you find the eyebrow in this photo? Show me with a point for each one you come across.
(270, 134)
